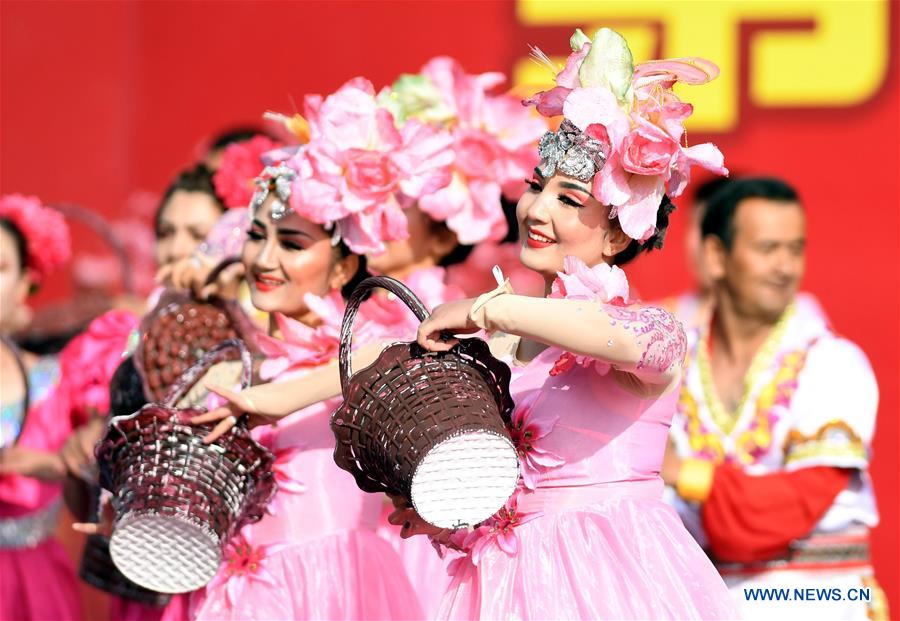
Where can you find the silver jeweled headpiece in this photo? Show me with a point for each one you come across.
(275, 179)
(572, 152)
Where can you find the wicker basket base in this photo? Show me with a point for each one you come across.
(165, 553)
(465, 479)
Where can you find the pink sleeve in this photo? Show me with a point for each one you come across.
(88, 362)
(47, 425)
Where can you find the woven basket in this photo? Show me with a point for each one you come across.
(178, 501)
(429, 426)
(176, 334)
(98, 570)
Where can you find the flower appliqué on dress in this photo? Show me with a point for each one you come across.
(245, 563)
(498, 530)
(526, 429)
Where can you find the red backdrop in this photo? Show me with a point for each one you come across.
(100, 99)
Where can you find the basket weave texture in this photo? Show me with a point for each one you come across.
(178, 501)
(410, 400)
(98, 570)
(178, 331)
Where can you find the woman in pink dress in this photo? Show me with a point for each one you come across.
(587, 535)
(319, 209)
(38, 580)
(493, 147)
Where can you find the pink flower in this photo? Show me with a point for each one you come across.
(596, 105)
(526, 429)
(550, 103)
(243, 564)
(426, 159)
(464, 93)
(706, 155)
(648, 150)
(471, 209)
(644, 122)
(601, 283)
(241, 163)
(302, 347)
(493, 149)
(637, 215)
(357, 166)
(499, 531)
(46, 233)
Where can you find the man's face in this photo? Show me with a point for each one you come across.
(767, 259)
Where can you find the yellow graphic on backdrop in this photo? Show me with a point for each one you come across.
(841, 61)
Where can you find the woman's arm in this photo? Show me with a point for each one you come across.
(267, 403)
(646, 342)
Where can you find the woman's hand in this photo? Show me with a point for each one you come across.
(449, 318)
(31, 463)
(410, 522)
(78, 451)
(107, 519)
(263, 403)
(193, 274)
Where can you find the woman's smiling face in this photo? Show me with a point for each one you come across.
(288, 258)
(559, 217)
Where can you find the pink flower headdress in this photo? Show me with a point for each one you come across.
(241, 161)
(623, 127)
(356, 167)
(46, 233)
(493, 140)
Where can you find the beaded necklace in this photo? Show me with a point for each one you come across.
(762, 360)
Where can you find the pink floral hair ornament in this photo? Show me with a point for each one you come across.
(623, 127)
(356, 167)
(234, 180)
(47, 241)
(493, 140)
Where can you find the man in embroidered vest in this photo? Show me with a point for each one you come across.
(770, 445)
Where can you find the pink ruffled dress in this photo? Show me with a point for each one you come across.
(37, 580)
(316, 554)
(587, 535)
(427, 571)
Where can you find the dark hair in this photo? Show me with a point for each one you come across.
(707, 189)
(655, 241)
(362, 271)
(233, 135)
(196, 179)
(723, 204)
(19, 239)
(458, 254)
(126, 390)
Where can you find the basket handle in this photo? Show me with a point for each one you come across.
(356, 298)
(215, 355)
(219, 268)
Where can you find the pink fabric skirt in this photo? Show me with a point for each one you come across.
(622, 558)
(346, 575)
(38, 584)
(425, 569)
